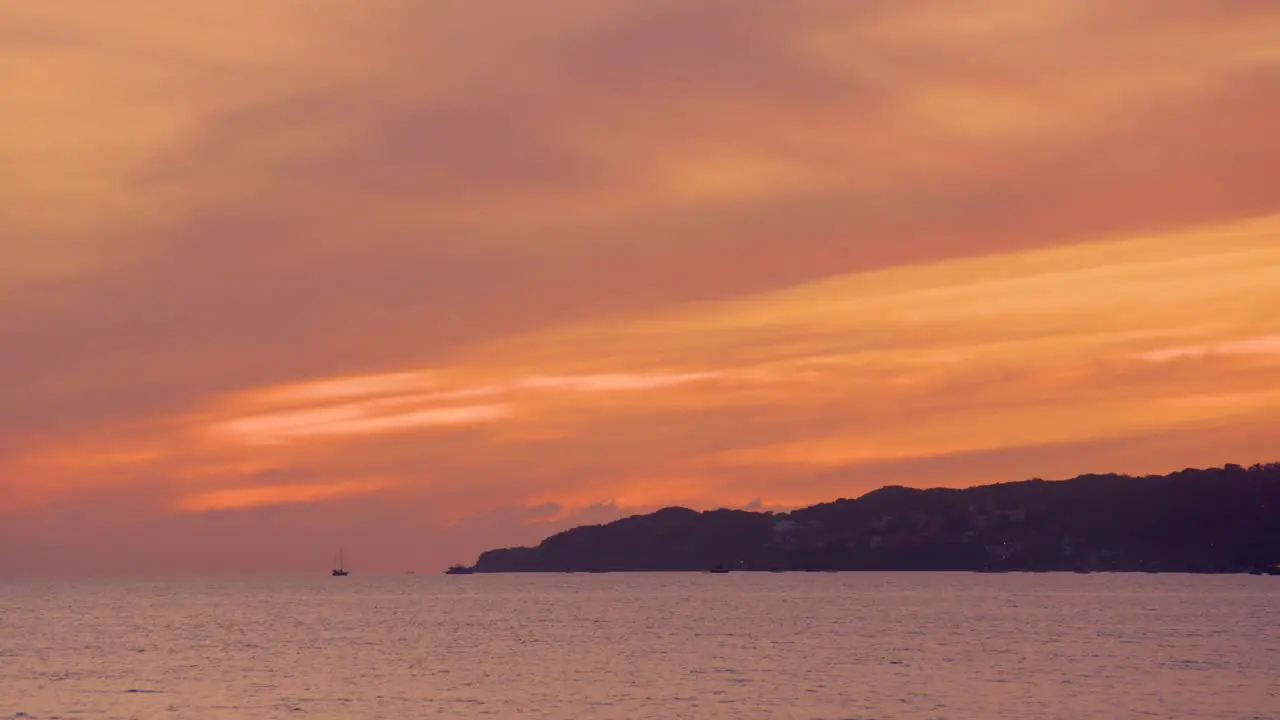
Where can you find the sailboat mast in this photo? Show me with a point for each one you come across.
(341, 569)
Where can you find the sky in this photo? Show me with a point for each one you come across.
(420, 278)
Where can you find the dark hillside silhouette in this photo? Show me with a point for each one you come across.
(1217, 520)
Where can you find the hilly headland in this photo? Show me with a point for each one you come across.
(1214, 520)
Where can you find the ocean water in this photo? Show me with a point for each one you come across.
(886, 646)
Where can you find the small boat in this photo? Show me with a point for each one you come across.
(719, 570)
(459, 570)
(341, 570)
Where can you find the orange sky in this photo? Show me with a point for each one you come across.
(426, 278)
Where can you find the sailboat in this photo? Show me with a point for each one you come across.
(341, 570)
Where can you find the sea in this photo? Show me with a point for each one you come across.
(889, 646)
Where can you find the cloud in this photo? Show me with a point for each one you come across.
(1264, 345)
(268, 495)
(356, 386)
(593, 246)
(349, 421)
(952, 358)
(616, 382)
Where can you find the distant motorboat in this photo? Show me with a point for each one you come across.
(341, 570)
(719, 570)
(459, 570)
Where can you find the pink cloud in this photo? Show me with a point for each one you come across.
(269, 495)
(1262, 345)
